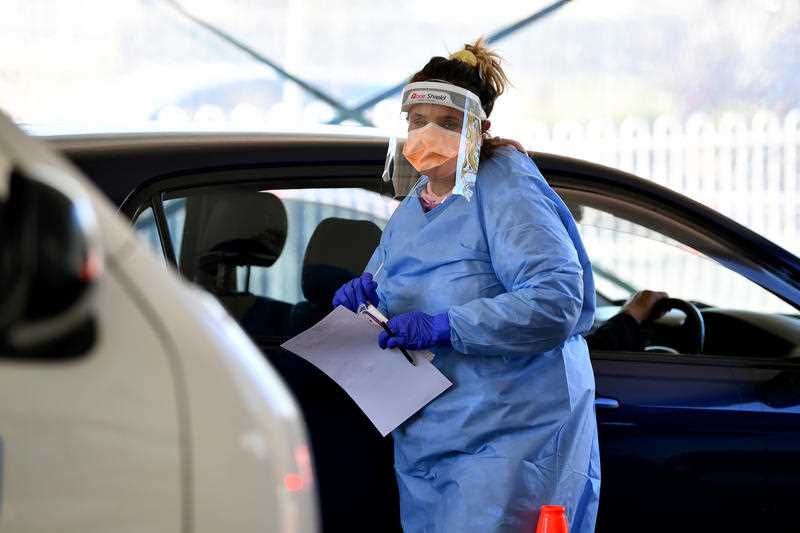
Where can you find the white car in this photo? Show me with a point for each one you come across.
(109, 419)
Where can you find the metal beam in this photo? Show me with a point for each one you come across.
(344, 111)
(494, 37)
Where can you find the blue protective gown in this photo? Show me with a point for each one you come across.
(517, 430)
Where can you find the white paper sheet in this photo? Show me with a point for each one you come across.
(383, 383)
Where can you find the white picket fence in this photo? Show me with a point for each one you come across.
(744, 167)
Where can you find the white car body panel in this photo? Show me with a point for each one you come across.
(244, 432)
(92, 444)
(173, 421)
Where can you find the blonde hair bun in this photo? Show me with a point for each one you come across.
(488, 64)
(465, 56)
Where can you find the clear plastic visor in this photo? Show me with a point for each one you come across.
(436, 137)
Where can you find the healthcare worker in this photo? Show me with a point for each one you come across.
(482, 264)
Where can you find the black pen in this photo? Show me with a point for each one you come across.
(403, 350)
(385, 327)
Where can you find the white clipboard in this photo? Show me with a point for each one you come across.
(387, 388)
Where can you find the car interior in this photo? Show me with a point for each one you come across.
(232, 243)
(337, 252)
(242, 230)
(768, 328)
(276, 290)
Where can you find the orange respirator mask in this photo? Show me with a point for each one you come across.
(431, 146)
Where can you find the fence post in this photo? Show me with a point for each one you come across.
(791, 176)
(568, 138)
(635, 145)
(601, 136)
(763, 170)
(670, 132)
(699, 129)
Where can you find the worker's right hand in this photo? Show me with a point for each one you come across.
(361, 290)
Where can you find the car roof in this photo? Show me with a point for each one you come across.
(119, 163)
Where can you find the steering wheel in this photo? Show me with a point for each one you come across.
(692, 333)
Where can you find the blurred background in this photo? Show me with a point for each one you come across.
(701, 96)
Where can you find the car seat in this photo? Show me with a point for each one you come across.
(337, 252)
(243, 229)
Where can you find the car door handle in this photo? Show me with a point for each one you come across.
(605, 403)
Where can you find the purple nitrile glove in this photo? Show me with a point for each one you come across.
(416, 331)
(357, 291)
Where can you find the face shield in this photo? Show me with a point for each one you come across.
(437, 137)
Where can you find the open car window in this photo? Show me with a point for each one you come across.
(738, 318)
(627, 257)
(273, 257)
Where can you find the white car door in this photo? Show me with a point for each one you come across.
(90, 441)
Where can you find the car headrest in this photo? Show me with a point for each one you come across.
(338, 251)
(244, 228)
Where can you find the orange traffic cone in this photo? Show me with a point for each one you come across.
(552, 519)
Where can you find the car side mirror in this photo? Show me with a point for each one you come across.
(49, 264)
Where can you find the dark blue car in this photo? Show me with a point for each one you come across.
(701, 429)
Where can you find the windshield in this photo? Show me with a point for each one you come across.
(700, 96)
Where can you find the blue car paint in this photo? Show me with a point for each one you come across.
(693, 433)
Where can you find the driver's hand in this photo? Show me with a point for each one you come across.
(641, 304)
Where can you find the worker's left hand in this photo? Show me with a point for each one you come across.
(416, 331)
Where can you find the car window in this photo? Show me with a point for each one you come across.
(307, 208)
(274, 257)
(145, 226)
(627, 257)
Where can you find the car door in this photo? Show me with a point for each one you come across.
(683, 436)
(92, 437)
(273, 247)
(772, 391)
(677, 445)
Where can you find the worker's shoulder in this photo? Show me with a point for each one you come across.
(510, 169)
